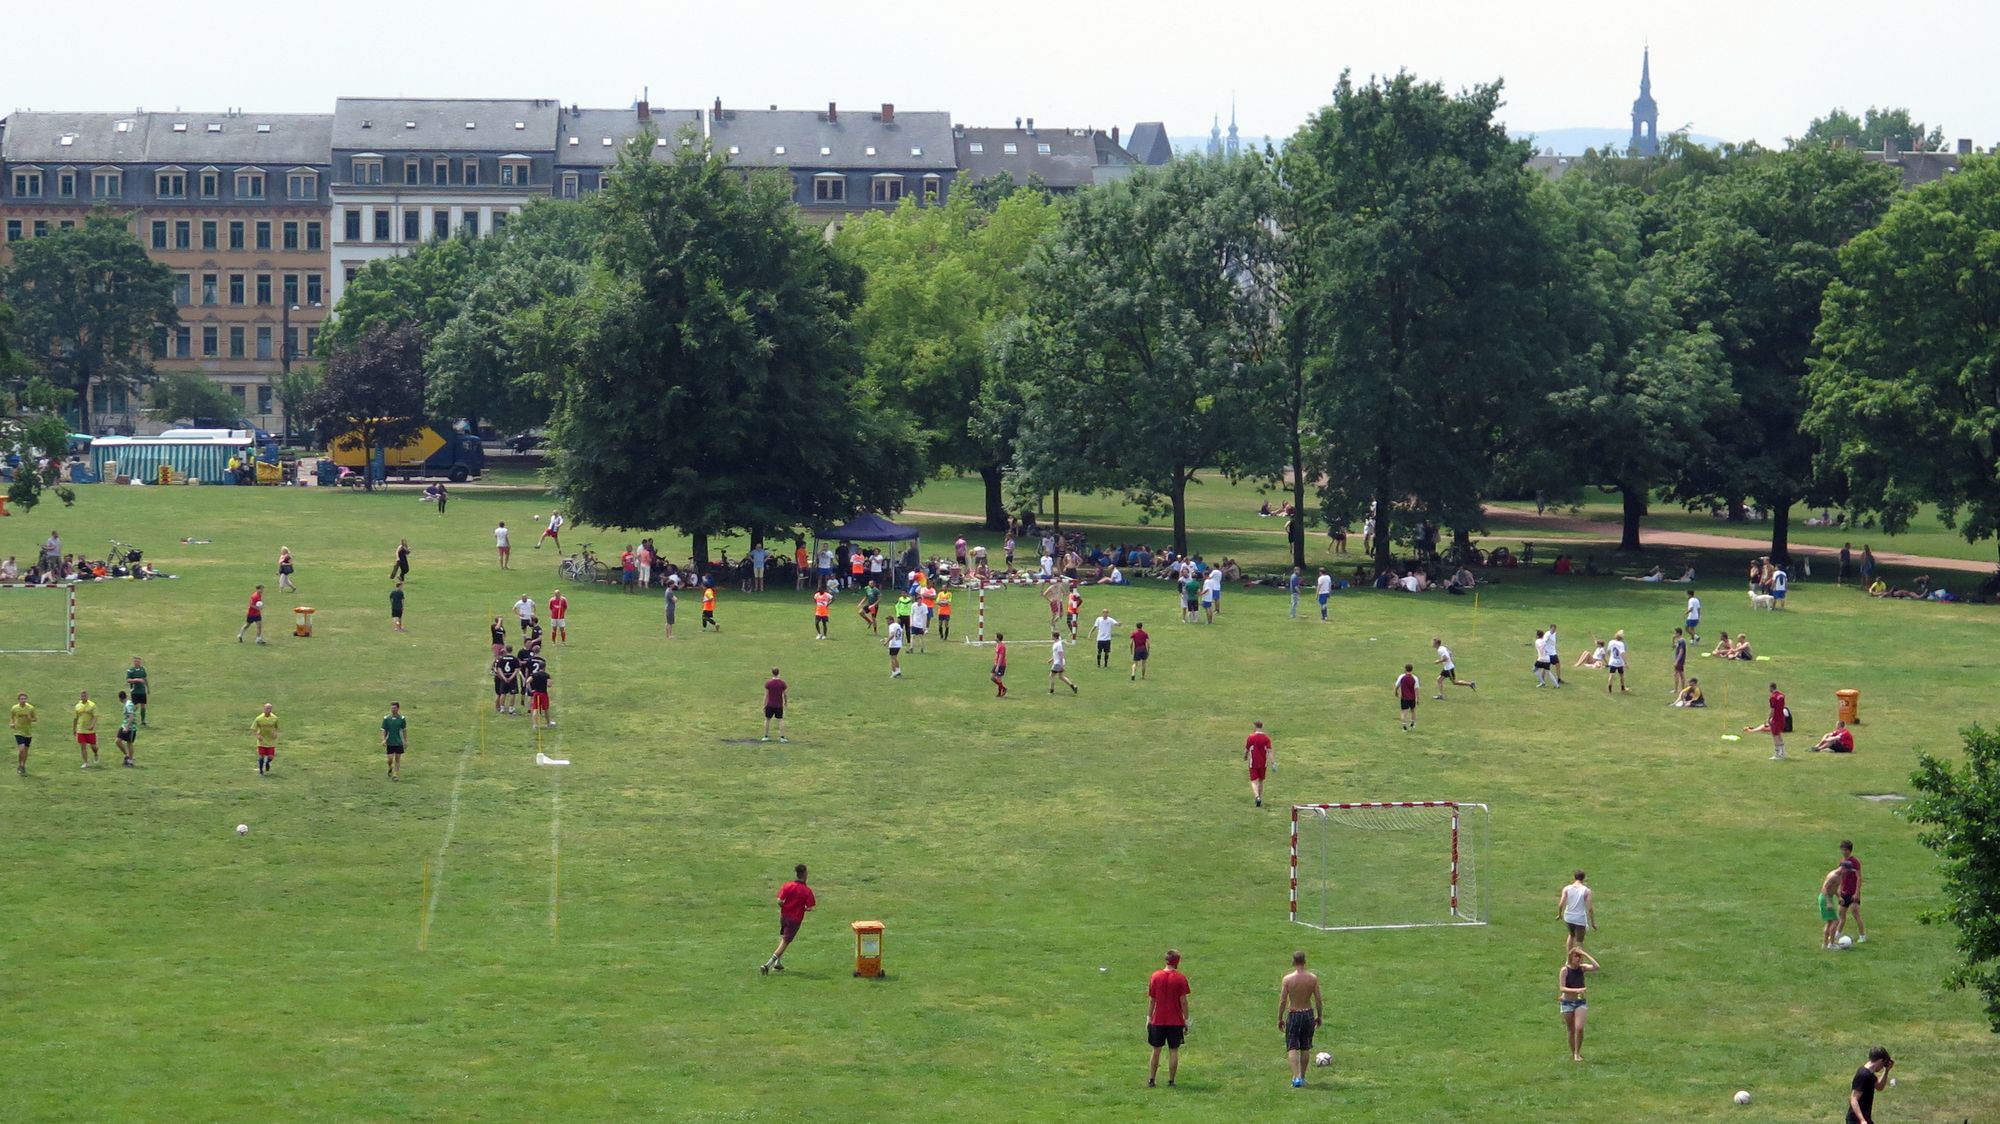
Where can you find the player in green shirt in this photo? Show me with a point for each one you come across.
(871, 605)
(135, 683)
(395, 738)
(1191, 598)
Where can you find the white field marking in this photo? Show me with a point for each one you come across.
(555, 818)
(450, 828)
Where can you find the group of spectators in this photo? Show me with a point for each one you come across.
(54, 567)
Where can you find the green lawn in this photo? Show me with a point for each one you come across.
(412, 950)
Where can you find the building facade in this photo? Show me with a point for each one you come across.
(1062, 160)
(842, 163)
(234, 203)
(589, 141)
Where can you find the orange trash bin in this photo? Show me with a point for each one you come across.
(1850, 706)
(303, 615)
(868, 949)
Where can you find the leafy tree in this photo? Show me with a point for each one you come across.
(1873, 127)
(1961, 807)
(370, 397)
(709, 379)
(939, 280)
(87, 301)
(32, 427)
(1428, 331)
(1144, 281)
(424, 287)
(188, 394)
(1752, 256)
(1905, 391)
(294, 389)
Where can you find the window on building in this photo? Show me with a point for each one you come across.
(312, 341)
(66, 224)
(413, 225)
(348, 273)
(159, 234)
(351, 228)
(183, 285)
(440, 172)
(208, 234)
(291, 236)
(440, 224)
(107, 399)
(469, 226)
(183, 341)
(107, 185)
(236, 341)
(249, 185)
(263, 288)
(264, 235)
(412, 171)
(66, 184)
(1010, 148)
(237, 391)
(211, 342)
(368, 170)
(263, 341)
(14, 230)
(162, 340)
(264, 394)
(27, 185)
(571, 185)
(302, 185)
(829, 188)
(211, 286)
(236, 235)
(314, 237)
(381, 224)
(977, 147)
(933, 187)
(1042, 148)
(41, 228)
(472, 172)
(313, 288)
(500, 220)
(291, 289)
(171, 185)
(238, 284)
(603, 180)
(514, 173)
(211, 185)
(888, 189)
(183, 234)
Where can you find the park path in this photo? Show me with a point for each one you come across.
(1601, 531)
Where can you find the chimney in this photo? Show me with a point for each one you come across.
(888, 112)
(718, 106)
(832, 113)
(1017, 122)
(1965, 146)
(1031, 126)
(645, 110)
(1114, 134)
(958, 130)
(1891, 149)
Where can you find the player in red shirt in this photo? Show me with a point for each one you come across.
(1257, 751)
(1000, 664)
(1140, 650)
(1406, 696)
(559, 616)
(1777, 723)
(774, 705)
(253, 617)
(1850, 890)
(794, 899)
(1166, 1016)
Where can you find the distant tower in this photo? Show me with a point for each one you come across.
(1234, 146)
(1646, 112)
(1215, 137)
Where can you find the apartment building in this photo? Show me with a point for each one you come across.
(842, 163)
(589, 141)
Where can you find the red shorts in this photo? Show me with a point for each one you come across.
(267, 751)
(1256, 772)
(86, 739)
(538, 700)
(788, 927)
(549, 533)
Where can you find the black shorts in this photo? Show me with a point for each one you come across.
(285, 569)
(1169, 1036)
(1104, 645)
(393, 750)
(774, 712)
(503, 687)
(1299, 1027)
(1541, 665)
(128, 733)
(23, 740)
(999, 671)
(1408, 704)
(252, 618)
(138, 698)
(1577, 931)
(1139, 655)
(1847, 899)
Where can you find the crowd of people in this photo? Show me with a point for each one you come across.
(53, 566)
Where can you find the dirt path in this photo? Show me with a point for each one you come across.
(1607, 532)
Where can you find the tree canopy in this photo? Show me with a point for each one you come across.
(1960, 811)
(370, 397)
(1868, 131)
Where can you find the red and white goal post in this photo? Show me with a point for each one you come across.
(37, 619)
(1388, 864)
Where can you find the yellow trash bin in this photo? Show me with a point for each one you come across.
(868, 949)
(303, 615)
(1850, 706)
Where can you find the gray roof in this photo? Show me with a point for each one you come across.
(439, 124)
(1551, 166)
(812, 141)
(581, 133)
(1918, 168)
(192, 139)
(1076, 157)
(1149, 143)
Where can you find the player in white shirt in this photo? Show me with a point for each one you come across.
(1779, 581)
(525, 609)
(1693, 617)
(1104, 627)
(1211, 593)
(1447, 671)
(1614, 662)
(554, 530)
(894, 642)
(920, 623)
(500, 543)
(1323, 589)
(1057, 663)
(1555, 657)
(1542, 677)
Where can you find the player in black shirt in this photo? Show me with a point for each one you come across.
(499, 636)
(538, 694)
(1867, 1079)
(506, 682)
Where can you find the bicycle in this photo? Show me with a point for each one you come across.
(582, 566)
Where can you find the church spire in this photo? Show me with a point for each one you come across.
(1215, 136)
(1646, 72)
(1235, 146)
(1645, 111)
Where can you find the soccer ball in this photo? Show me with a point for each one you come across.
(535, 518)
(243, 829)
(1845, 941)
(1742, 1096)
(1322, 1058)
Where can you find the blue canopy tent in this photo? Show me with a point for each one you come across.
(872, 528)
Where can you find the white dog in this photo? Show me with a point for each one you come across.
(1761, 600)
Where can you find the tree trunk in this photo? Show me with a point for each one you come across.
(1461, 544)
(700, 554)
(1055, 510)
(996, 506)
(367, 462)
(1179, 498)
(1635, 510)
(1781, 532)
(1736, 512)
(1298, 500)
(1382, 523)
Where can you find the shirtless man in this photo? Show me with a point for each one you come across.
(1299, 1011)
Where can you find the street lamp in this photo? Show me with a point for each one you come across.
(285, 350)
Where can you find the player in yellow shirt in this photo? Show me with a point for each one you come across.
(83, 723)
(21, 719)
(944, 614)
(265, 726)
(708, 609)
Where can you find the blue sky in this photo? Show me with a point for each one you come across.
(1758, 69)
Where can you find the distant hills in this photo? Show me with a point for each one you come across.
(1563, 142)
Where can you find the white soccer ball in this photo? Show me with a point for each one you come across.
(1845, 941)
(1322, 1058)
(1742, 1096)
(243, 829)
(535, 518)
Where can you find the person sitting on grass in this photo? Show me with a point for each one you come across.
(1592, 656)
(1687, 576)
(1840, 739)
(1461, 581)
(1742, 649)
(1690, 695)
(1416, 581)
(1880, 588)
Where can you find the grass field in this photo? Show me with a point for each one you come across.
(492, 940)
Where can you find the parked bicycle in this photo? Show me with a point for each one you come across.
(583, 566)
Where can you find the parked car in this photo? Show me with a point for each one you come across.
(526, 440)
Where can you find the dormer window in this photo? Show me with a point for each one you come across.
(1010, 148)
(211, 184)
(514, 171)
(250, 184)
(302, 185)
(977, 148)
(107, 183)
(28, 184)
(66, 183)
(171, 184)
(368, 169)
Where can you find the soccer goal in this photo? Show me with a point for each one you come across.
(37, 619)
(1388, 865)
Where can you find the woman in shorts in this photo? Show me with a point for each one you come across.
(1570, 997)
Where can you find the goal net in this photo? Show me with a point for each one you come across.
(37, 619)
(1401, 865)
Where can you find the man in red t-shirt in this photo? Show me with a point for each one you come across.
(1257, 751)
(1000, 664)
(1850, 890)
(1166, 1017)
(1140, 650)
(253, 617)
(794, 899)
(1777, 723)
(1406, 696)
(559, 616)
(774, 705)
